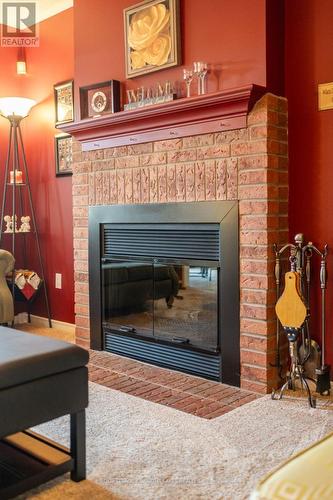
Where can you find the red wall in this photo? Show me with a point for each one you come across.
(230, 35)
(309, 61)
(275, 35)
(52, 196)
(9, 81)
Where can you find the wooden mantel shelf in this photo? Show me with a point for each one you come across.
(218, 111)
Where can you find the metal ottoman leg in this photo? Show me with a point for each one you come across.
(78, 445)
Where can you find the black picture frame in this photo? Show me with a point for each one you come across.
(63, 154)
(99, 99)
(64, 102)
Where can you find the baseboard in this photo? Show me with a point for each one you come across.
(44, 322)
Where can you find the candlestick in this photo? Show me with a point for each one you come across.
(188, 77)
(200, 69)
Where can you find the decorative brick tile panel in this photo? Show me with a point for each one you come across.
(153, 190)
(140, 149)
(219, 151)
(198, 140)
(128, 181)
(200, 182)
(221, 180)
(249, 165)
(181, 156)
(153, 159)
(180, 183)
(232, 179)
(210, 180)
(162, 184)
(144, 173)
(190, 182)
(169, 145)
(171, 183)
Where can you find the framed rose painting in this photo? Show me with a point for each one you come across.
(152, 38)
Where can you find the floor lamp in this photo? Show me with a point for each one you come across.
(15, 109)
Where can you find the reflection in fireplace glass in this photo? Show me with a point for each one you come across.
(174, 303)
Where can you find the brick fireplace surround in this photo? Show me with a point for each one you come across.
(248, 164)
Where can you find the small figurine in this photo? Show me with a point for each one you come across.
(9, 224)
(25, 226)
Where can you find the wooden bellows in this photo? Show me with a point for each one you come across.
(290, 308)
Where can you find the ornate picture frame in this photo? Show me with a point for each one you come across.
(63, 154)
(157, 48)
(100, 99)
(64, 102)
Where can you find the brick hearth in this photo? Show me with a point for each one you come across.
(248, 164)
(186, 393)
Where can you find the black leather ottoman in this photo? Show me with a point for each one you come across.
(40, 379)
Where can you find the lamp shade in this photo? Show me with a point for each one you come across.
(17, 106)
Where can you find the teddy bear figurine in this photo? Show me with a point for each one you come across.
(25, 224)
(9, 223)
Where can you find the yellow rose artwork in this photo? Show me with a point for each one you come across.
(149, 37)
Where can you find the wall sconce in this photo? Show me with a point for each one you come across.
(21, 64)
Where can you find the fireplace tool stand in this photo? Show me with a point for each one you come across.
(296, 371)
(293, 313)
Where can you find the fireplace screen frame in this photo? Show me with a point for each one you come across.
(224, 213)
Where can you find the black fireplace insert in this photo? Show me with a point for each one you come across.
(164, 285)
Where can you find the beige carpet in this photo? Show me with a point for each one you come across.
(65, 334)
(145, 451)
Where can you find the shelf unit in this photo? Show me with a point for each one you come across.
(17, 202)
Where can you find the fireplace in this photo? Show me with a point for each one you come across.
(164, 284)
(230, 147)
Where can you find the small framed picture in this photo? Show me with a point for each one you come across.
(63, 154)
(152, 36)
(64, 102)
(100, 99)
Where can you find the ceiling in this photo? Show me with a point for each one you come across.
(47, 8)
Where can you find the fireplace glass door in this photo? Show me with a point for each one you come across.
(174, 302)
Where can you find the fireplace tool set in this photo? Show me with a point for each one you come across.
(307, 360)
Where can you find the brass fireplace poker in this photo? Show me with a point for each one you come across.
(293, 313)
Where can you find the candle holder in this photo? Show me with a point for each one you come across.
(188, 77)
(200, 70)
(15, 177)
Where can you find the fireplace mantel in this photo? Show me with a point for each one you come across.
(214, 112)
